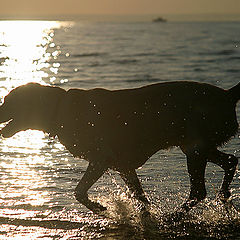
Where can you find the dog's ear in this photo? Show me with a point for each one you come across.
(44, 102)
(49, 99)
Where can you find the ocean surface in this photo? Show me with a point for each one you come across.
(38, 175)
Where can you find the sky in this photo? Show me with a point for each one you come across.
(118, 7)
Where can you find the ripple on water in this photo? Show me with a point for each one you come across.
(125, 218)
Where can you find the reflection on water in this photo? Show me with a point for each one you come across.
(26, 47)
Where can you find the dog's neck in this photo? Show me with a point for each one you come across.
(51, 126)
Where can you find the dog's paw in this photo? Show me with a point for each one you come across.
(91, 205)
(224, 195)
(96, 207)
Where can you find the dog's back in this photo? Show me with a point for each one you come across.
(129, 126)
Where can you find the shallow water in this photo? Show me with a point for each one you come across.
(38, 175)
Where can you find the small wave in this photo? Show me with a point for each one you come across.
(26, 207)
(50, 224)
(93, 54)
(96, 64)
(198, 69)
(233, 70)
(226, 52)
(146, 54)
(124, 61)
(234, 58)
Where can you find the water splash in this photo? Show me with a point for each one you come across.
(125, 218)
(211, 219)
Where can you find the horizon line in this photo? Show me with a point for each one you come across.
(125, 17)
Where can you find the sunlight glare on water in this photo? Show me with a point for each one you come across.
(26, 48)
(24, 51)
(24, 57)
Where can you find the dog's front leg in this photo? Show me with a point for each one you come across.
(92, 174)
(131, 179)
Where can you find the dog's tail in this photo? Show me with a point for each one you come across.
(234, 93)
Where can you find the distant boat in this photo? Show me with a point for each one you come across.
(159, 19)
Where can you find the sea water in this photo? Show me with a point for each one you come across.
(37, 173)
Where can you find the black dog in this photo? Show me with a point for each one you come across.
(122, 129)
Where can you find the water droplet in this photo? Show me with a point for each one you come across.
(63, 80)
(91, 124)
(52, 79)
(196, 152)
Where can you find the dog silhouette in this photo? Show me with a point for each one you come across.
(122, 129)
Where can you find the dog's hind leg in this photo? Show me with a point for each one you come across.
(196, 163)
(228, 163)
(92, 174)
(131, 179)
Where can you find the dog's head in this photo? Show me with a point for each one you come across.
(31, 106)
